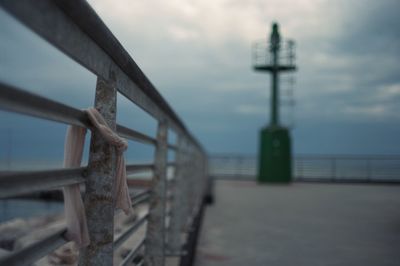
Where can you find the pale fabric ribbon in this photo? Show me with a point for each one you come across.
(73, 150)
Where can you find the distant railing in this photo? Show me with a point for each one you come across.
(233, 166)
(346, 168)
(174, 204)
(363, 168)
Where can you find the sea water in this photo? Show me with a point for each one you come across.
(26, 208)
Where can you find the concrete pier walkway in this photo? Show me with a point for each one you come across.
(302, 224)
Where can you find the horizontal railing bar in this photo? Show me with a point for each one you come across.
(140, 194)
(141, 263)
(132, 254)
(136, 201)
(172, 147)
(140, 182)
(125, 235)
(172, 164)
(17, 183)
(135, 135)
(16, 100)
(137, 168)
(140, 200)
(35, 251)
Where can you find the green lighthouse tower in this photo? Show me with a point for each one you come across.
(275, 156)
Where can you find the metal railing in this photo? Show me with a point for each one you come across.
(233, 166)
(340, 168)
(351, 168)
(75, 29)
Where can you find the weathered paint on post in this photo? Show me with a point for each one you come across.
(155, 235)
(98, 199)
(175, 227)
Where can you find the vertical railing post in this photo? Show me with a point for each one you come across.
(189, 178)
(191, 183)
(206, 175)
(195, 183)
(197, 205)
(98, 198)
(205, 169)
(198, 182)
(185, 188)
(333, 169)
(368, 169)
(175, 227)
(202, 182)
(155, 235)
(301, 166)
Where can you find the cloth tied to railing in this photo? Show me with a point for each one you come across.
(122, 198)
(73, 150)
(73, 205)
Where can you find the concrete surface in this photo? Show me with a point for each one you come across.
(301, 224)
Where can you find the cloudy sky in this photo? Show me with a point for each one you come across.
(198, 55)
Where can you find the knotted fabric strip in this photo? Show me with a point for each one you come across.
(73, 205)
(73, 150)
(122, 198)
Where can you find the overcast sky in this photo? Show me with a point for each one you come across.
(198, 55)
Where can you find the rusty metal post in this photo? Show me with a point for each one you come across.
(98, 199)
(175, 227)
(155, 235)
